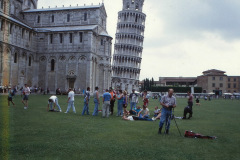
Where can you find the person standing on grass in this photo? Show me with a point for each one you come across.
(145, 98)
(106, 104)
(190, 103)
(96, 101)
(10, 96)
(26, 93)
(86, 101)
(70, 101)
(120, 103)
(168, 103)
(112, 100)
(133, 97)
(53, 100)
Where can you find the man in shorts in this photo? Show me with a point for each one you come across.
(26, 92)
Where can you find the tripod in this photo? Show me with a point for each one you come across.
(171, 116)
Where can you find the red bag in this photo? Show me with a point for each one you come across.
(191, 134)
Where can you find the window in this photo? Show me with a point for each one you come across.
(229, 85)
(30, 34)
(137, 7)
(52, 64)
(61, 37)
(68, 17)
(70, 37)
(15, 58)
(52, 18)
(213, 78)
(220, 78)
(80, 37)
(221, 85)
(23, 33)
(11, 26)
(51, 38)
(229, 79)
(213, 85)
(234, 85)
(234, 79)
(85, 16)
(2, 25)
(102, 42)
(136, 19)
(38, 19)
(128, 6)
(1, 4)
(29, 61)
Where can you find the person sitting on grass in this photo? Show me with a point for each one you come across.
(197, 102)
(10, 97)
(157, 113)
(135, 111)
(143, 114)
(53, 100)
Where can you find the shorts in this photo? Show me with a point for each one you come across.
(9, 98)
(25, 97)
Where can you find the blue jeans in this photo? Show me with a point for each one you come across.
(165, 117)
(95, 112)
(120, 108)
(71, 104)
(144, 118)
(133, 105)
(85, 108)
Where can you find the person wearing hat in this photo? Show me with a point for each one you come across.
(10, 97)
(26, 93)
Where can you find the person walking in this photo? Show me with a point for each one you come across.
(120, 103)
(70, 101)
(86, 101)
(26, 93)
(106, 104)
(133, 97)
(168, 103)
(96, 101)
(53, 100)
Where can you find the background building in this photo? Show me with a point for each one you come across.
(54, 47)
(128, 46)
(233, 84)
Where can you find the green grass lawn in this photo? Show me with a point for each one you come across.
(37, 134)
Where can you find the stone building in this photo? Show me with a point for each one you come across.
(213, 81)
(233, 84)
(54, 47)
(128, 46)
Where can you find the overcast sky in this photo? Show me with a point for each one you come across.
(182, 37)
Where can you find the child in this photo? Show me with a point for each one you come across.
(157, 113)
(10, 97)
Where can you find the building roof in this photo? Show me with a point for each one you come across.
(67, 28)
(177, 79)
(104, 33)
(214, 71)
(63, 8)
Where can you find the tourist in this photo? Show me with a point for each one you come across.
(197, 102)
(120, 103)
(190, 104)
(10, 96)
(96, 101)
(25, 92)
(53, 100)
(125, 101)
(168, 103)
(143, 114)
(145, 98)
(86, 101)
(106, 104)
(133, 97)
(112, 100)
(70, 101)
(157, 113)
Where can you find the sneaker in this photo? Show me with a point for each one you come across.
(25, 107)
(60, 111)
(154, 119)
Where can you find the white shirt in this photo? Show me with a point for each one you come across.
(26, 90)
(53, 98)
(71, 96)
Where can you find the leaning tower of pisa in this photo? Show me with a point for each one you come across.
(128, 46)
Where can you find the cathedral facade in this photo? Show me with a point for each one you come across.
(128, 46)
(54, 47)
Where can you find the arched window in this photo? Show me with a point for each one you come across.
(52, 64)
(29, 61)
(137, 7)
(15, 58)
